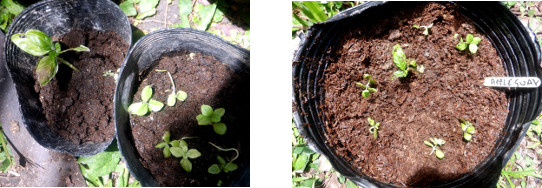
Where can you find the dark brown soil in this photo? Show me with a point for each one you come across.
(419, 107)
(207, 81)
(79, 105)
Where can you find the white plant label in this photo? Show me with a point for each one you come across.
(521, 82)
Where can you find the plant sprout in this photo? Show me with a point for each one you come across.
(468, 129)
(405, 65)
(435, 143)
(222, 165)
(471, 42)
(180, 95)
(179, 149)
(367, 87)
(147, 104)
(374, 127)
(425, 28)
(210, 117)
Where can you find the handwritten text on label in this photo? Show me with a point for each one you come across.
(525, 82)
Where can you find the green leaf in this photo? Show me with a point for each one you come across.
(469, 38)
(399, 58)
(207, 14)
(350, 184)
(428, 143)
(155, 105)
(166, 136)
(230, 167)
(372, 90)
(161, 145)
(416, 26)
(102, 163)
(476, 40)
(33, 42)
(371, 121)
(467, 136)
(219, 16)
(206, 110)
(147, 8)
(80, 48)
(146, 14)
(46, 70)
(175, 143)
(13, 7)
(301, 162)
(314, 11)
(203, 120)
(473, 48)
(399, 74)
(365, 93)
(185, 8)
(167, 152)
(213, 169)
(128, 8)
(139, 108)
(221, 160)
(181, 95)
(193, 153)
(178, 151)
(186, 164)
(461, 46)
(470, 129)
(182, 143)
(219, 112)
(439, 153)
(171, 100)
(146, 93)
(220, 128)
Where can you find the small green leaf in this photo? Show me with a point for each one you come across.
(464, 127)
(161, 145)
(207, 13)
(146, 14)
(399, 74)
(365, 93)
(360, 85)
(461, 46)
(166, 136)
(372, 90)
(175, 143)
(428, 143)
(155, 105)
(193, 153)
(439, 153)
(230, 167)
(469, 39)
(219, 112)
(467, 136)
(166, 152)
(128, 8)
(221, 160)
(171, 100)
(186, 164)
(203, 120)
(301, 162)
(177, 151)
(181, 95)
(399, 57)
(182, 143)
(57, 48)
(420, 69)
(220, 128)
(416, 26)
(206, 110)
(365, 76)
(476, 40)
(473, 48)
(46, 70)
(147, 8)
(139, 108)
(80, 48)
(146, 93)
(213, 169)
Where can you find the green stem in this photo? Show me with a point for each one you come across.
(228, 149)
(67, 63)
(170, 78)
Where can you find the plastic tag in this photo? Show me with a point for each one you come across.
(521, 82)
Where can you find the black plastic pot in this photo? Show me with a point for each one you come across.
(516, 45)
(57, 17)
(140, 58)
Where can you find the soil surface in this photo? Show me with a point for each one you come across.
(421, 106)
(207, 81)
(79, 105)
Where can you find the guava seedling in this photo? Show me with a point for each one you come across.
(172, 98)
(435, 143)
(405, 65)
(367, 87)
(147, 104)
(209, 116)
(425, 28)
(468, 129)
(179, 149)
(37, 43)
(223, 165)
(470, 42)
(374, 127)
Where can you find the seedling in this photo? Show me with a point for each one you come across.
(471, 42)
(179, 149)
(223, 165)
(468, 129)
(210, 117)
(405, 65)
(147, 104)
(435, 143)
(172, 98)
(374, 127)
(38, 43)
(367, 87)
(425, 28)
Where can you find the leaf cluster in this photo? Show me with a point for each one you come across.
(8, 10)
(425, 28)
(367, 89)
(98, 170)
(435, 143)
(6, 159)
(147, 104)
(470, 42)
(212, 117)
(374, 127)
(404, 64)
(468, 129)
(174, 96)
(179, 149)
(37, 43)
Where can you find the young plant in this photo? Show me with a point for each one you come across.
(367, 87)
(178, 148)
(468, 129)
(435, 143)
(172, 98)
(37, 43)
(405, 65)
(374, 127)
(223, 165)
(147, 104)
(471, 43)
(210, 117)
(425, 28)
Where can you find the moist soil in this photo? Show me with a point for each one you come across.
(206, 81)
(421, 106)
(78, 106)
